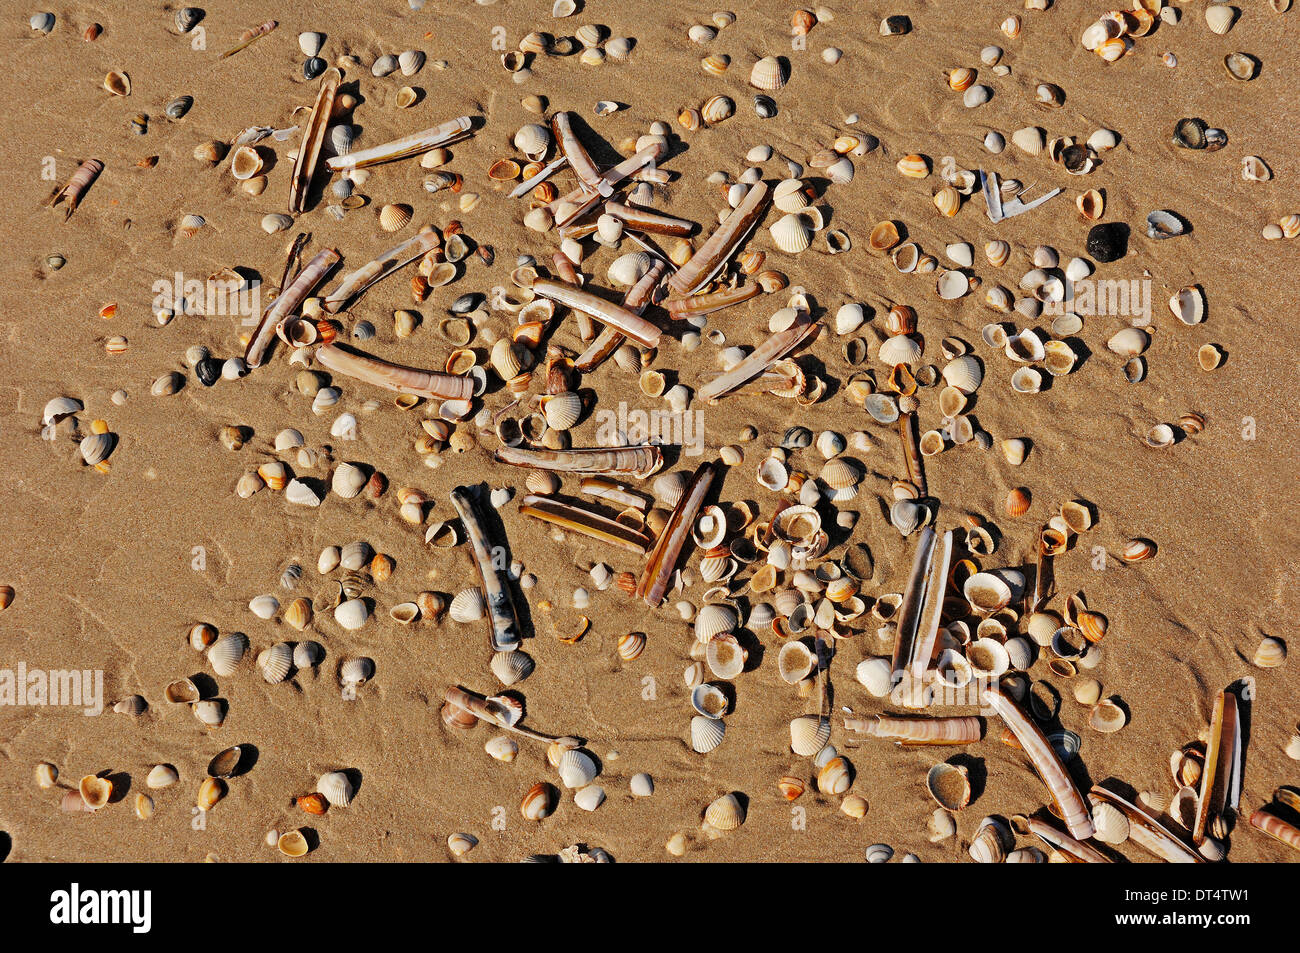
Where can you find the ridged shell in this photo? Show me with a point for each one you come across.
(511, 667)
(468, 605)
(394, 217)
(348, 480)
(1270, 653)
(1111, 823)
(577, 768)
(899, 349)
(716, 109)
(768, 74)
(628, 269)
(1220, 17)
(351, 614)
(713, 620)
(276, 662)
(706, 733)
(839, 474)
(809, 734)
(562, 410)
(227, 652)
(791, 233)
(876, 675)
(725, 814)
(336, 787)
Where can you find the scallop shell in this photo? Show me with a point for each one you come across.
(899, 349)
(965, 373)
(227, 652)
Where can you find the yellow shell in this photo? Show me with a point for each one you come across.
(1271, 653)
(725, 814)
(948, 201)
(717, 109)
(715, 63)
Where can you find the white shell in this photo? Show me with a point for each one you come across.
(468, 605)
(225, 654)
(899, 349)
(336, 787)
(351, 614)
(502, 748)
(706, 733)
(264, 607)
(348, 480)
(791, 233)
(641, 785)
(577, 768)
(876, 675)
(964, 373)
(590, 797)
(809, 734)
(511, 667)
(276, 662)
(713, 620)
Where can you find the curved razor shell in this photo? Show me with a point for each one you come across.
(411, 145)
(918, 617)
(1222, 771)
(919, 731)
(1077, 851)
(313, 139)
(657, 575)
(395, 377)
(584, 521)
(494, 712)
(639, 462)
(608, 313)
(697, 305)
(578, 158)
(1070, 803)
(769, 352)
(610, 339)
(287, 303)
(722, 244)
(643, 221)
(501, 607)
(912, 450)
(1269, 823)
(355, 282)
(1148, 833)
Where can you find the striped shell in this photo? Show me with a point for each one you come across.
(997, 252)
(839, 474)
(914, 166)
(809, 734)
(717, 109)
(539, 801)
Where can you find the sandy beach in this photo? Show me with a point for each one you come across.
(110, 567)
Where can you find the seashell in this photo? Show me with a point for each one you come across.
(1188, 305)
(533, 140)
(791, 234)
(1026, 381)
(628, 269)
(1128, 342)
(227, 652)
(899, 349)
(952, 285)
(511, 667)
(1220, 17)
(356, 671)
(895, 25)
(706, 733)
(714, 620)
(577, 768)
(348, 480)
(987, 592)
(950, 787)
(468, 605)
(768, 74)
(795, 662)
(835, 777)
(245, 163)
(1270, 653)
(965, 373)
(716, 109)
(988, 658)
(351, 614)
(1030, 140)
(394, 217)
(725, 814)
(914, 166)
(562, 410)
(809, 734)
(276, 662)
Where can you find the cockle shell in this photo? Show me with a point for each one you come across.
(539, 801)
(511, 667)
(468, 605)
(351, 614)
(768, 74)
(276, 662)
(227, 652)
(791, 233)
(706, 733)
(725, 814)
(809, 734)
(336, 787)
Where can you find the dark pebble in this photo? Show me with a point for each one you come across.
(208, 371)
(1108, 241)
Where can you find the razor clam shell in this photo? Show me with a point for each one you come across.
(402, 148)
